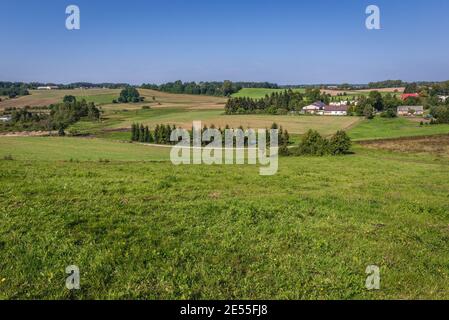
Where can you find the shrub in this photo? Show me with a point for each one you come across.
(313, 144)
(368, 112)
(389, 113)
(340, 144)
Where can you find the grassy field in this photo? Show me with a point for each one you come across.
(257, 93)
(380, 128)
(47, 97)
(77, 149)
(151, 230)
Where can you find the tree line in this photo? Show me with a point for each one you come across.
(223, 89)
(276, 103)
(162, 132)
(13, 89)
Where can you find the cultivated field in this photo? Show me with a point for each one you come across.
(41, 98)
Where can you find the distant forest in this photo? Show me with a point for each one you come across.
(220, 89)
(13, 89)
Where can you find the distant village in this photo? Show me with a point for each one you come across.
(341, 108)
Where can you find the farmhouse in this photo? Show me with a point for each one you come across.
(47, 88)
(335, 110)
(410, 111)
(314, 108)
(341, 103)
(405, 96)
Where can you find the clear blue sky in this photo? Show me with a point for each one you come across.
(283, 41)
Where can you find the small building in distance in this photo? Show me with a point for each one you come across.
(320, 108)
(47, 88)
(408, 111)
(335, 110)
(443, 98)
(314, 108)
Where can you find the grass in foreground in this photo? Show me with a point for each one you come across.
(156, 231)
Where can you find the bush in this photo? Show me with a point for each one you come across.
(8, 157)
(313, 144)
(340, 144)
(368, 112)
(389, 113)
(130, 94)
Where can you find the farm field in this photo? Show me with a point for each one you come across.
(436, 145)
(151, 230)
(181, 118)
(180, 110)
(380, 128)
(140, 227)
(258, 93)
(77, 149)
(41, 98)
(105, 96)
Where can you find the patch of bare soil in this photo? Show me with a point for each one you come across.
(29, 134)
(437, 145)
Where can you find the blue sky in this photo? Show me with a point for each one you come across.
(282, 41)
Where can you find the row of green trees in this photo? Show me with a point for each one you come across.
(161, 134)
(225, 88)
(313, 144)
(57, 116)
(13, 89)
(376, 102)
(276, 103)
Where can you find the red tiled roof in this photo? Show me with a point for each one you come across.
(409, 95)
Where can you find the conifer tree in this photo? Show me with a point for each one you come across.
(133, 132)
(142, 133)
(147, 134)
(137, 132)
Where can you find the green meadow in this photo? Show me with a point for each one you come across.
(257, 93)
(380, 128)
(142, 229)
